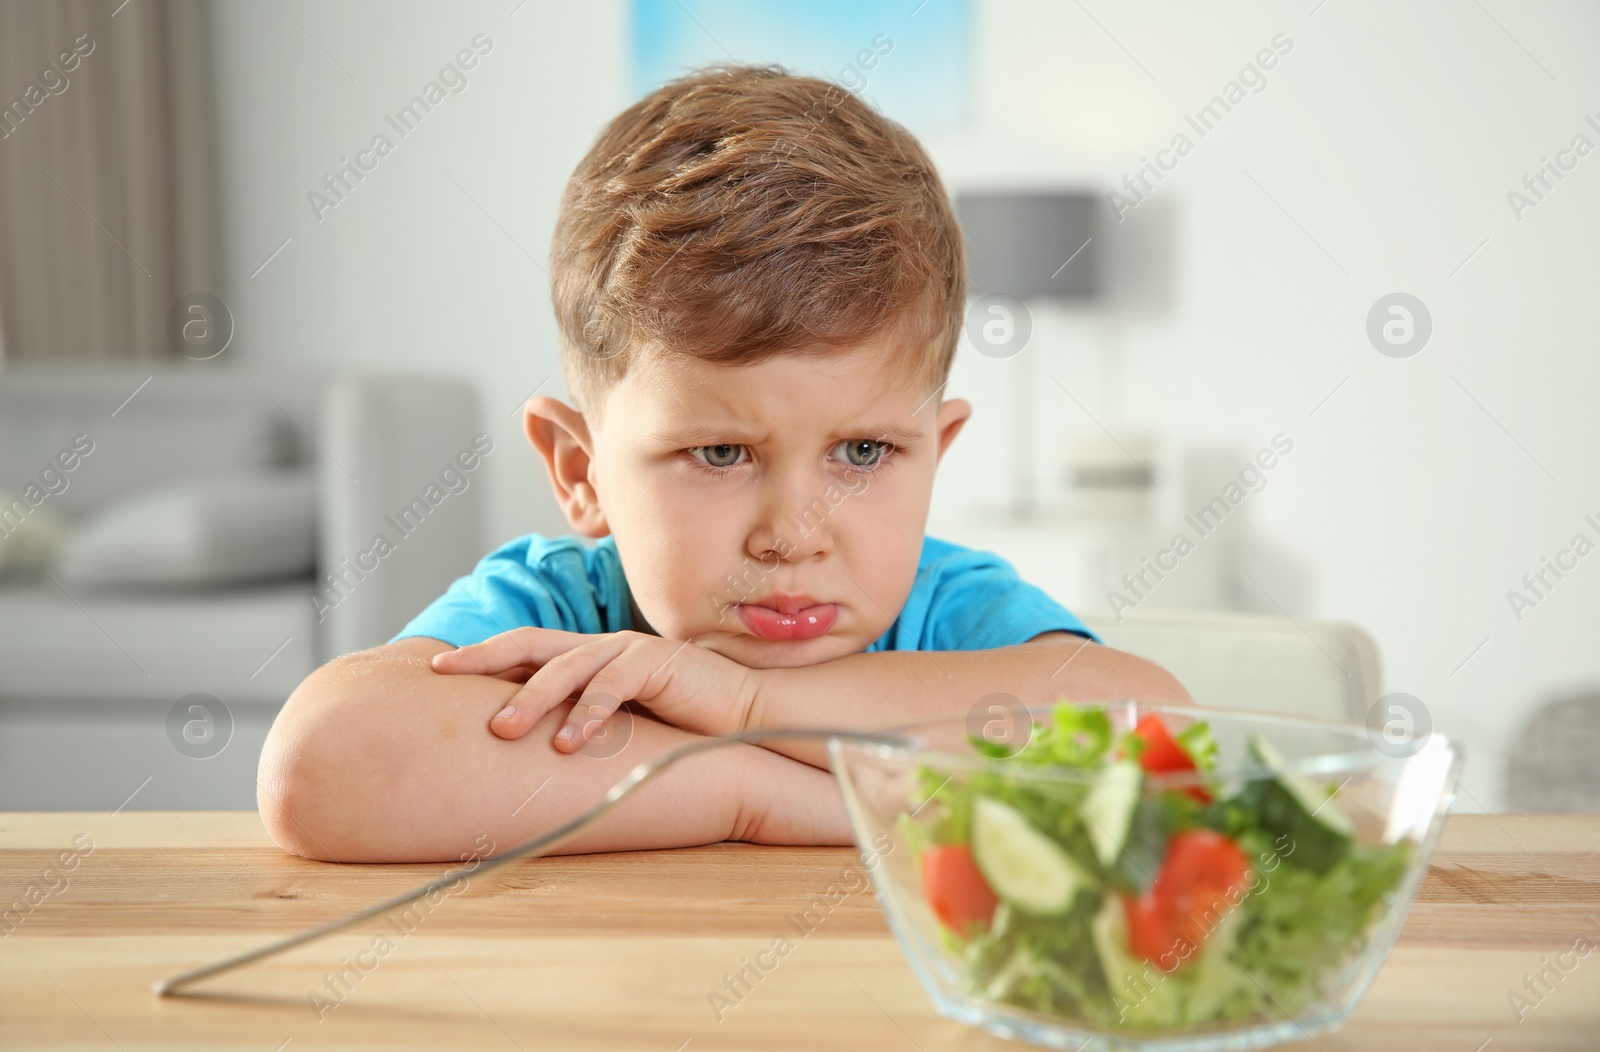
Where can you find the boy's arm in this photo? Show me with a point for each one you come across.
(702, 691)
(898, 687)
(376, 758)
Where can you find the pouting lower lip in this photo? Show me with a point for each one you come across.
(809, 623)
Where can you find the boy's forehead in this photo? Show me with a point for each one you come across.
(862, 385)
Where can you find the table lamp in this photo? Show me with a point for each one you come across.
(1031, 245)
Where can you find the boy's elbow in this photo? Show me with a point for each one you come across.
(1163, 686)
(294, 799)
(1146, 681)
(286, 804)
(308, 804)
(1111, 673)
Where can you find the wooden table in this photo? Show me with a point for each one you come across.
(624, 951)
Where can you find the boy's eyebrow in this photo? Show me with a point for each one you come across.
(882, 432)
(734, 435)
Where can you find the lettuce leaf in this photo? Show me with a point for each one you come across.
(1196, 740)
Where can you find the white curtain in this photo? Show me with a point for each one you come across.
(108, 200)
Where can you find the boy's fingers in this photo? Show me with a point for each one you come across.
(520, 646)
(518, 715)
(586, 719)
(623, 677)
(552, 684)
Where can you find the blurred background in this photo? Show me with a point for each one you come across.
(1299, 283)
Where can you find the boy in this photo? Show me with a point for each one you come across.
(759, 283)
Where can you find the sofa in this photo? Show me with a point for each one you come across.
(180, 546)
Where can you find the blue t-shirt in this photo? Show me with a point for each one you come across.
(961, 599)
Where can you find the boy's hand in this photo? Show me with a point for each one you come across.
(686, 685)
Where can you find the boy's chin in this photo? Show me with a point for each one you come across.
(752, 652)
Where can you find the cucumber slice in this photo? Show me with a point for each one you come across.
(1316, 803)
(1319, 832)
(1109, 809)
(1021, 864)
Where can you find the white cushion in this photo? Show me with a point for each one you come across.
(221, 529)
(30, 534)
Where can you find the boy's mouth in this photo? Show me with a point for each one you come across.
(783, 618)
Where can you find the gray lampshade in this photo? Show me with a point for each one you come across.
(1017, 243)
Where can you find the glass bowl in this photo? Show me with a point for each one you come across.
(1333, 831)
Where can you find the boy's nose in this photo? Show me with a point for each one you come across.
(793, 519)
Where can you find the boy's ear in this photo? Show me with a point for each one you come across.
(953, 416)
(561, 435)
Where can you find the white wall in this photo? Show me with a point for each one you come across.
(1390, 135)
(412, 270)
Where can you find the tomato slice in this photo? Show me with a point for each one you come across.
(956, 888)
(1162, 753)
(1152, 933)
(1189, 897)
(1202, 860)
(1201, 868)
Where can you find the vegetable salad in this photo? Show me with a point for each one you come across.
(1106, 902)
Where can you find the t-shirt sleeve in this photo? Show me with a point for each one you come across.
(546, 584)
(978, 602)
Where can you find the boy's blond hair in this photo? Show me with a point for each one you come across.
(741, 212)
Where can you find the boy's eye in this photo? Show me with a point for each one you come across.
(723, 456)
(863, 452)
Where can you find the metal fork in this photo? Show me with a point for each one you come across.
(643, 772)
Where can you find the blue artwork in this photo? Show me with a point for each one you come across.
(908, 58)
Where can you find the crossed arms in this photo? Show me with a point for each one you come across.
(394, 755)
